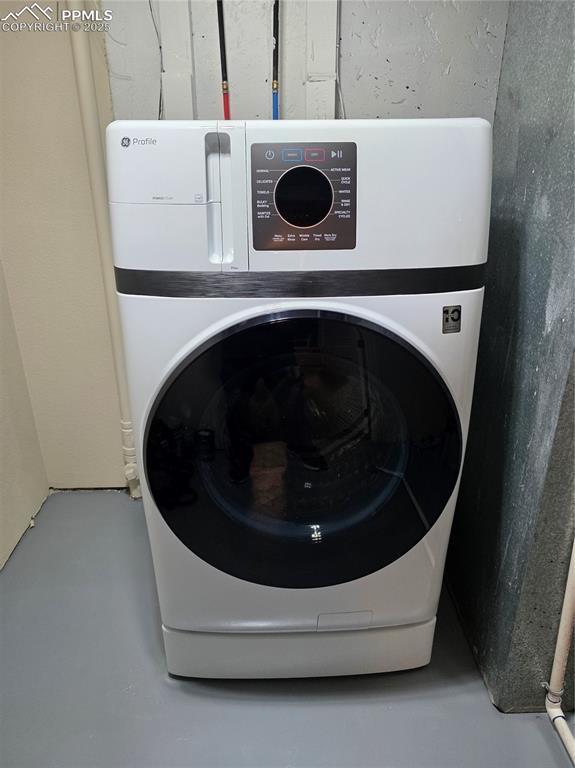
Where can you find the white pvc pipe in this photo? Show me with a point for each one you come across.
(562, 647)
(86, 87)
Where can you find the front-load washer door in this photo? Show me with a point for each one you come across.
(302, 449)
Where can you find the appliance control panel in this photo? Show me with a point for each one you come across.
(304, 196)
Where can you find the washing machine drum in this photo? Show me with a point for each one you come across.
(302, 450)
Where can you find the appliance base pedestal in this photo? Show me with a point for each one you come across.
(297, 654)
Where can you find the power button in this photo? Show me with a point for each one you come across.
(270, 154)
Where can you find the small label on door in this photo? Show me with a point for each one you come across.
(452, 318)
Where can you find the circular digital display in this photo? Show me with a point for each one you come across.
(303, 196)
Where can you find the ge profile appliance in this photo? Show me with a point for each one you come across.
(301, 304)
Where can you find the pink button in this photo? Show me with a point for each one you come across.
(314, 155)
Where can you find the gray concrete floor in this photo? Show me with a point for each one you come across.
(84, 684)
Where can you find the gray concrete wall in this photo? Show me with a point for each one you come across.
(536, 620)
(514, 522)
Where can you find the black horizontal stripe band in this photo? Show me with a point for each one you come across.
(375, 282)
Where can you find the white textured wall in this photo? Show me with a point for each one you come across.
(397, 59)
(133, 61)
(135, 66)
(248, 62)
(23, 481)
(421, 59)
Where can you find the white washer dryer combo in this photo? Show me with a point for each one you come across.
(301, 304)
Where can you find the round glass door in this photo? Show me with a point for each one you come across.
(303, 450)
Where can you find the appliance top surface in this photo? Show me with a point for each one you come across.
(300, 195)
(331, 123)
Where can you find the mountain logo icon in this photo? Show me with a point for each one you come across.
(33, 10)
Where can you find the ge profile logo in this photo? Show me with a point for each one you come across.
(126, 142)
